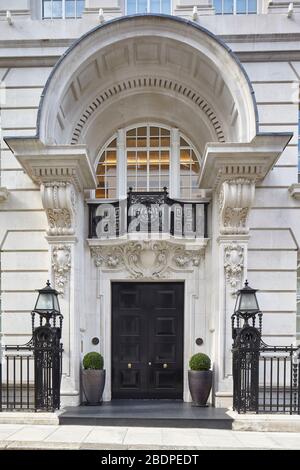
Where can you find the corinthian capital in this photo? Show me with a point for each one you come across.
(235, 201)
(59, 201)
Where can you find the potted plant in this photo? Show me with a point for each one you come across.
(200, 378)
(93, 378)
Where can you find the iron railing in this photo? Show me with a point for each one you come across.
(150, 212)
(30, 374)
(17, 379)
(266, 379)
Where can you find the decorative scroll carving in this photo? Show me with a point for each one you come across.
(59, 201)
(61, 264)
(147, 259)
(234, 265)
(236, 199)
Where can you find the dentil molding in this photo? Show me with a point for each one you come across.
(59, 202)
(234, 265)
(148, 258)
(61, 265)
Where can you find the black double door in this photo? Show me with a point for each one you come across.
(147, 340)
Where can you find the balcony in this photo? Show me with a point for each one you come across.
(148, 213)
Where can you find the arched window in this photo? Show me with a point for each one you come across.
(153, 157)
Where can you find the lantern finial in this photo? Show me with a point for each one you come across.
(246, 283)
(48, 283)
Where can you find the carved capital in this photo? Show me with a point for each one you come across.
(235, 201)
(59, 201)
(61, 264)
(147, 259)
(234, 265)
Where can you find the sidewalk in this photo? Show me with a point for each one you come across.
(14, 436)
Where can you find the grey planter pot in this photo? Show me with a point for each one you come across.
(200, 382)
(93, 382)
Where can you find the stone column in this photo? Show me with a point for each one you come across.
(63, 173)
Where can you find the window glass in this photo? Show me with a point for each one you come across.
(166, 7)
(155, 6)
(227, 7)
(218, 7)
(131, 7)
(148, 155)
(141, 6)
(56, 8)
(241, 6)
(252, 6)
(47, 10)
(62, 8)
(70, 9)
(148, 6)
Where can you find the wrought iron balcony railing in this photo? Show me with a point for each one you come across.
(149, 213)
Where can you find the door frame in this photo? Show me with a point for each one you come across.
(140, 281)
(195, 316)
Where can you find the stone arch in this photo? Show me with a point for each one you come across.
(147, 60)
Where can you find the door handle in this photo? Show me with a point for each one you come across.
(165, 366)
(149, 363)
(129, 365)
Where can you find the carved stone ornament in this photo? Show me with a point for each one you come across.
(234, 265)
(59, 201)
(147, 259)
(236, 199)
(61, 264)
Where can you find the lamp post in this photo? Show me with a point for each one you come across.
(47, 349)
(246, 307)
(47, 306)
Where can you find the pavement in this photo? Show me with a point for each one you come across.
(20, 436)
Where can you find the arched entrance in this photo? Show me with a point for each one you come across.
(134, 70)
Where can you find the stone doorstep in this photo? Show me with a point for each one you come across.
(16, 417)
(265, 422)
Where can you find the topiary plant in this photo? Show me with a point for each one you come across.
(93, 360)
(200, 361)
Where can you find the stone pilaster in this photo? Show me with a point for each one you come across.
(231, 171)
(63, 173)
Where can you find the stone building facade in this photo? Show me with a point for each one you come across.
(203, 103)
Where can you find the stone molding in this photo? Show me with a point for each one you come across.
(150, 259)
(59, 202)
(235, 201)
(61, 265)
(234, 265)
(252, 160)
(294, 191)
(148, 83)
(48, 163)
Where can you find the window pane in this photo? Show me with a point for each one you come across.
(47, 9)
(70, 9)
(228, 7)
(142, 6)
(240, 6)
(218, 7)
(166, 7)
(79, 8)
(155, 6)
(57, 9)
(131, 7)
(252, 6)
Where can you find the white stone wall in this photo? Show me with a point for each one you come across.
(274, 219)
(24, 250)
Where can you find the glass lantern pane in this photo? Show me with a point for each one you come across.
(56, 304)
(44, 302)
(248, 301)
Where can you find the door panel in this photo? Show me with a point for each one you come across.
(147, 343)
